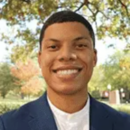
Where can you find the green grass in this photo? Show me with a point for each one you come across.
(121, 107)
(8, 104)
(15, 100)
(19, 101)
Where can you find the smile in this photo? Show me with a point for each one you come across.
(67, 72)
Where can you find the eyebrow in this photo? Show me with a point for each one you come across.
(75, 39)
(54, 40)
(80, 38)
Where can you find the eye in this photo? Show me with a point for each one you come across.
(81, 46)
(53, 47)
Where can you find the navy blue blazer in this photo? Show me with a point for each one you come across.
(37, 115)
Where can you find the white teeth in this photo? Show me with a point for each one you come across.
(66, 72)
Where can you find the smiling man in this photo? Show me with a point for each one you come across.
(67, 57)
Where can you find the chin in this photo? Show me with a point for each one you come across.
(65, 90)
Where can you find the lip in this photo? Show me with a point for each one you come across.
(67, 68)
(67, 77)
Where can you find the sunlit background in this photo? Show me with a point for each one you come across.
(20, 24)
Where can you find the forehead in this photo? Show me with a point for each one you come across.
(66, 29)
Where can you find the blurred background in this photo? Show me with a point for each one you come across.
(20, 23)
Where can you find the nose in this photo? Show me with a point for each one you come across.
(67, 54)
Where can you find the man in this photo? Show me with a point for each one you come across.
(67, 57)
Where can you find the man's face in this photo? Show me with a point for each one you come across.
(67, 58)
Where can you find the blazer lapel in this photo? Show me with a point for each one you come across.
(99, 117)
(41, 117)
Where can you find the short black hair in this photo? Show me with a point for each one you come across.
(66, 16)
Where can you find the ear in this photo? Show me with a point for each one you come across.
(95, 58)
(39, 58)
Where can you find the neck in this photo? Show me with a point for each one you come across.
(69, 103)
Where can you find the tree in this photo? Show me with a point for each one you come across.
(25, 70)
(29, 77)
(110, 18)
(96, 84)
(34, 86)
(7, 81)
(117, 72)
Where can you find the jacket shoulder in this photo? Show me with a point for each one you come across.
(19, 117)
(119, 119)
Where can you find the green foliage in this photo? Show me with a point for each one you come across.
(7, 81)
(21, 11)
(97, 80)
(116, 72)
(122, 108)
(111, 67)
(96, 94)
(8, 105)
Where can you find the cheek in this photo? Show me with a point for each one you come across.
(47, 61)
(86, 58)
(88, 61)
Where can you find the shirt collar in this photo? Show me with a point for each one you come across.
(67, 116)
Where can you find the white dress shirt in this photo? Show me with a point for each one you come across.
(75, 121)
